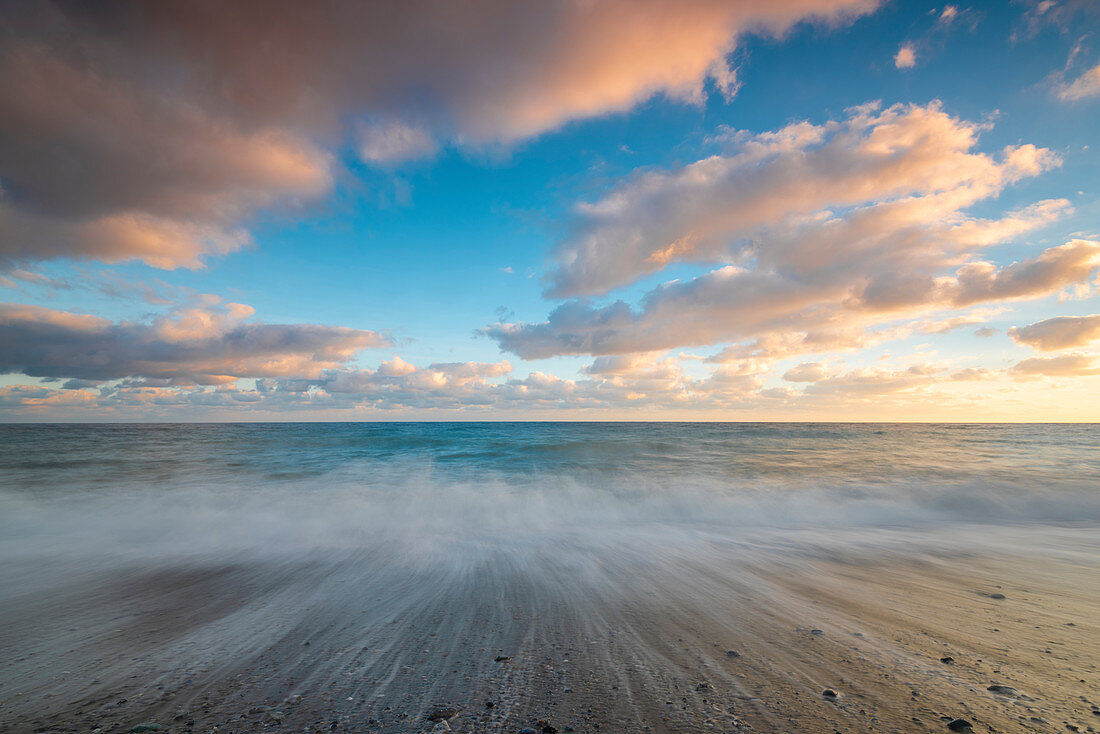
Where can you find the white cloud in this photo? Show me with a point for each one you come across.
(906, 57)
(1083, 87)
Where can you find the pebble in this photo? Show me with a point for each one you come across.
(959, 725)
(997, 595)
(947, 660)
(1003, 690)
(829, 693)
(442, 713)
(149, 726)
(732, 654)
(819, 633)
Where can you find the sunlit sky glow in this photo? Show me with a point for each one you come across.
(794, 210)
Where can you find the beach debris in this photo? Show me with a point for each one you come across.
(829, 693)
(501, 659)
(732, 654)
(959, 725)
(442, 713)
(947, 660)
(819, 633)
(1003, 690)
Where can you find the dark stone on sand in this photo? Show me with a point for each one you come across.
(959, 725)
(548, 729)
(947, 660)
(819, 633)
(489, 704)
(997, 596)
(829, 693)
(527, 730)
(442, 713)
(1003, 690)
(501, 659)
(732, 654)
(148, 726)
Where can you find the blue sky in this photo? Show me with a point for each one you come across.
(421, 247)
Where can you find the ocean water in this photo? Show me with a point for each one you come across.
(179, 567)
(191, 490)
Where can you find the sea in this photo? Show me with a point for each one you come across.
(220, 573)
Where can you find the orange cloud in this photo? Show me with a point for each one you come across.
(1062, 332)
(206, 112)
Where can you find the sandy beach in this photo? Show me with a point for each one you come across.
(677, 632)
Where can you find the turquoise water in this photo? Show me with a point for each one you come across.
(103, 486)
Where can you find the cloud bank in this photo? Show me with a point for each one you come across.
(208, 344)
(820, 232)
(157, 131)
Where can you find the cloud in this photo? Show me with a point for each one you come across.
(806, 372)
(908, 170)
(893, 243)
(1062, 332)
(615, 386)
(1060, 14)
(906, 57)
(156, 132)
(1085, 86)
(734, 304)
(210, 343)
(1067, 365)
(394, 142)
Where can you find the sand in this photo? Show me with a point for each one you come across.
(663, 632)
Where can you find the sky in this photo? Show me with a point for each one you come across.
(834, 210)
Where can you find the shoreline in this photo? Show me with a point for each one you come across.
(635, 640)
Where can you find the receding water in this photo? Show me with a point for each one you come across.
(251, 537)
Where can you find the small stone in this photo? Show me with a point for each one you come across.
(947, 660)
(1003, 690)
(442, 713)
(441, 727)
(732, 654)
(829, 693)
(819, 633)
(502, 658)
(997, 595)
(959, 725)
(147, 726)
(527, 730)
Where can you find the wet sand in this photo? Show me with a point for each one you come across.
(660, 631)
